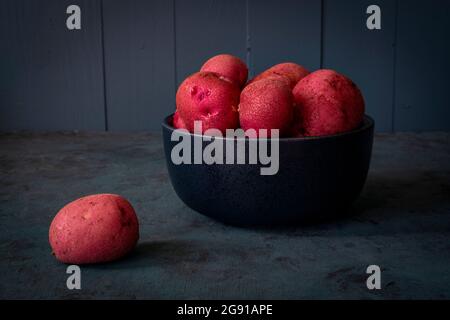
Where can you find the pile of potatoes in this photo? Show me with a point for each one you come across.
(286, 97)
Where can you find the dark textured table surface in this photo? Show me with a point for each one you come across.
(401, 222)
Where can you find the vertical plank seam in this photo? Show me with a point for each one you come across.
(105, 96)
(248, 49)
(175, 71)
(322, 31)
(394, 68)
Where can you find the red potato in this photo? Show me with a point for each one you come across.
(206, 97)
(94, 229)
(296, 129)
(178, 123)
(230, 67)
(266, 104)
(327, 103)
(292, 71)
(274, 76)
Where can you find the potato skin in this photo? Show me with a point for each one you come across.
(228, 66)
(94, 229)
(207, 97)
(327, 103)
(177, 122)
(291, 71)
(267, 104)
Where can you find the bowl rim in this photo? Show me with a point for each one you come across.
(367, 124)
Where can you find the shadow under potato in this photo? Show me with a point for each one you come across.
(146, 253)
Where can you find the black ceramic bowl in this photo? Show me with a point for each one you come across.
(318, 178)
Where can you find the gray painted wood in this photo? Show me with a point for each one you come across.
(139, 63)
(366, 56)
(51, 77)
(205, 28)
(423, 66)
(287, 30)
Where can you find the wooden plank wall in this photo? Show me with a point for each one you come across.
(121, 70)
(288, 30)
(51, 78)
(366, 56)
(139, 63)
(422, 66)
(205, 28)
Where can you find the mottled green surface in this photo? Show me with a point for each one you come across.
(401, 222)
